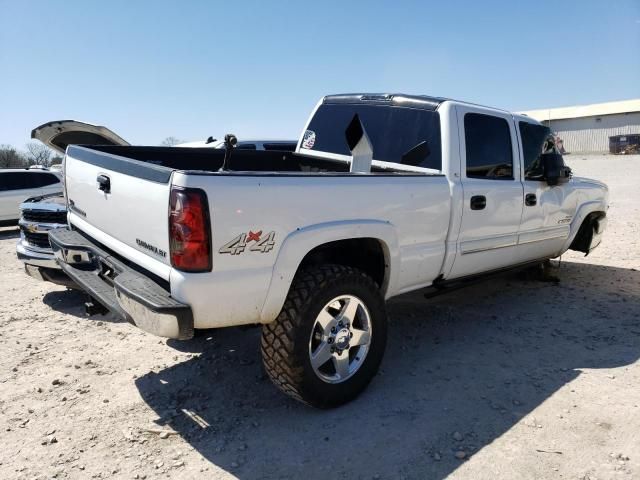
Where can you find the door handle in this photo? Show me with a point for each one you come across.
(478, 202)
(530, 199)
(104, 183)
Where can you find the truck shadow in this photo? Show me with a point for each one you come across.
(473, 361)
(71, 302)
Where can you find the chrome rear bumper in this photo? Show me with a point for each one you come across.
(127, 293)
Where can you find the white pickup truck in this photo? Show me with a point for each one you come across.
(384, 194)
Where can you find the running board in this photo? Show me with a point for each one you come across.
(440, 286)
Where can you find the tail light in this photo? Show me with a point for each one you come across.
(189, 230)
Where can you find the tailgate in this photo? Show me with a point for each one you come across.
(121, 203)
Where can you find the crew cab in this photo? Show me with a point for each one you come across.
(385, 194)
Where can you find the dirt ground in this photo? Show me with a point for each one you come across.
(509, 379)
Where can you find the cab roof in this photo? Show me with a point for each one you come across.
(423, 102)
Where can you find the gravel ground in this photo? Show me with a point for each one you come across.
(510, 378)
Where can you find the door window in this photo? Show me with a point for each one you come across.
(488, 147)
(534, 142)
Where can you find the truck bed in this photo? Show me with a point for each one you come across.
(198, 160)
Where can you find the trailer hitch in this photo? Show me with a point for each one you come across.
(92, 307)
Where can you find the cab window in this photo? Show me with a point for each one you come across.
(402, 135)
(488, 147)
(535, 141)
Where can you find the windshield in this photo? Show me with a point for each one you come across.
(394, 132)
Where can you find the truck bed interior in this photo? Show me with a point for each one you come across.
(210, 160)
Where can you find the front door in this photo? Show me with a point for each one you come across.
(548, 211)
(492, 191)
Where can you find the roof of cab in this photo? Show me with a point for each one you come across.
(423, 102)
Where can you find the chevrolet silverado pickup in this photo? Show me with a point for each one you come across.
(384, 194)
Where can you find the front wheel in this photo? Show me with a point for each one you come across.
(327, 343)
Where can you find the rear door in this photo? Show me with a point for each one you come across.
(492, 191)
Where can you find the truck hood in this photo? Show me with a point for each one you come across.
(591, 181)
(51, 201)
(61, 133)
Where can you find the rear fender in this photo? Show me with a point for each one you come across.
(297, 244)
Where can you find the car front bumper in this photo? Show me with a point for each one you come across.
(37, 258)
(127, 293)
(42, 265)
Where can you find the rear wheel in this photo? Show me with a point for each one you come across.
(327, 343)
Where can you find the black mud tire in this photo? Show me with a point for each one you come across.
(285, 341)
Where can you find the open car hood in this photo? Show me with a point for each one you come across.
(60, 133)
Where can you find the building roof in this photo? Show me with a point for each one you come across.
(578, 111)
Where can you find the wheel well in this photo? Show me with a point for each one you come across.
(582, 240)
(366, 254)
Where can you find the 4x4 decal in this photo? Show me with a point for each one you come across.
(260, 244)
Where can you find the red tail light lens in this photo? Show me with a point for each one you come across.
(189, 230)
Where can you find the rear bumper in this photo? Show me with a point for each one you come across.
(127, 293)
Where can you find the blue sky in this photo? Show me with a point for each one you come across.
(191, 69)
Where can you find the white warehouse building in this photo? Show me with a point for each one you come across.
(587, 128)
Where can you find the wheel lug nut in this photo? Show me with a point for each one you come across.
(330, 340)
(340, 324)
(333, 329)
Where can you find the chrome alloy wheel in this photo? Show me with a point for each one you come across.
(340, 339)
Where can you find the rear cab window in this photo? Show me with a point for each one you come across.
(394, 132)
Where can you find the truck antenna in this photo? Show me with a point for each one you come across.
(230, 141)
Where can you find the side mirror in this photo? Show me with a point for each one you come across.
(555, 171)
